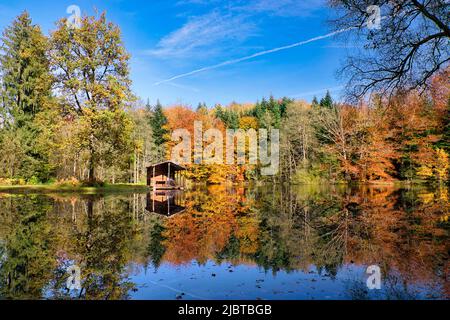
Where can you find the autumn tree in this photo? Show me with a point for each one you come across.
(440, 95)
(144, 145)
(92, 73)
(335, 130)
(438, 168)
(374, 152)
(202, 108)
(445, 143)
(297, 139)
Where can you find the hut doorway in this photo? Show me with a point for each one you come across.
(166, 176)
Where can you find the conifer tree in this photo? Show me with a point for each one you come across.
(315, 102)
(158, 123)
(25, 91)
(327, 101)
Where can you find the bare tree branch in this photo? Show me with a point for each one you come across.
(412, 45)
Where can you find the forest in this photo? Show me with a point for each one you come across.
(68, 116)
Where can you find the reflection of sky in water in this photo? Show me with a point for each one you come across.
(228, 282)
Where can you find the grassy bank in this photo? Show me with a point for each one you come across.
(110, 188)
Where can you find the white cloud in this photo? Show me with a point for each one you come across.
(199, 2)
(284, 8)
(204, 35)
(226, 28)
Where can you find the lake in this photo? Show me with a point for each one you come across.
(270, 242)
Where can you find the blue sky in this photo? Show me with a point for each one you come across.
(168, 38)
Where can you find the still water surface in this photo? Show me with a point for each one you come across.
(227, 243)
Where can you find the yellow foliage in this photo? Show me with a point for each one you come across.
(425, 172)
(442, 164)
(247, 123)
(438, 168)
(72, 182)
(426, 198)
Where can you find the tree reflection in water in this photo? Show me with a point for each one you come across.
(277, 229)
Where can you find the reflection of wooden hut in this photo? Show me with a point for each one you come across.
(165, 176)
(166, 202)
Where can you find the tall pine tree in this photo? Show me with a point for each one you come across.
(327, 101)
(25, 91)
(315, 102)
(158, 123)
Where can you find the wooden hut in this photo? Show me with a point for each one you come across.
(165, 176)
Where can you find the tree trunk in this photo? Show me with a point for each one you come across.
(91, 173)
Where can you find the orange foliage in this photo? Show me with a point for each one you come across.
(207, 225)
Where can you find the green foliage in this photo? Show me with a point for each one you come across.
(158, 123)
(315, 102)
(444, 143)
(24, 66)
(327, 101)
(156, 247)
(309, 175)
(93, 76)
(25, 92)
(104, 247)
(269, 113)
(228, 117)
(28, 253)
(105, 134)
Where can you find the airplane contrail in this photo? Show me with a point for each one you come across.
(255, 55)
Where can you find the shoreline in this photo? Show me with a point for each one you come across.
(116, 188)
(140, 188)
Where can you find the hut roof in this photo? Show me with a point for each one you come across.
(163, 167)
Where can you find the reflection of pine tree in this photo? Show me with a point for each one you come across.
(28, 253)
(231, 252)
(273, 253)
(156, 248)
